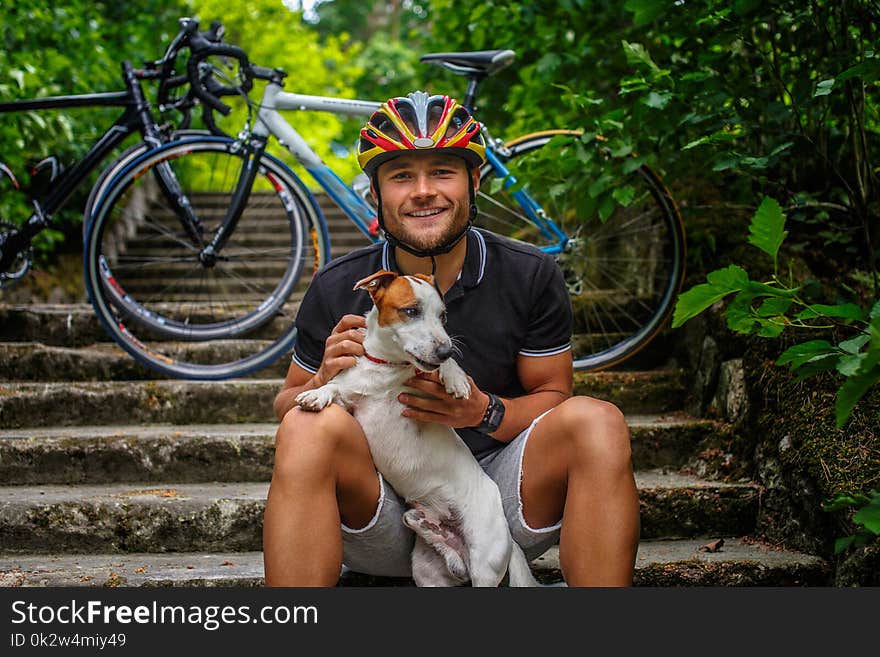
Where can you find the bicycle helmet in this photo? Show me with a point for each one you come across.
(419, 122)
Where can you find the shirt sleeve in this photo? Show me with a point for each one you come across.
(314, 323)
(550, 319)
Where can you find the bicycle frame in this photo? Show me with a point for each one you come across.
(270, 121)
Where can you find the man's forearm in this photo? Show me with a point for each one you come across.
(521, 411)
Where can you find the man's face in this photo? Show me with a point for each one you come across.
(425, 199)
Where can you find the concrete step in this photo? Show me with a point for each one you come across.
(739, 562)
(106, 361)
(26, 404)
(174, 517)
(241, 452)
(102, 361)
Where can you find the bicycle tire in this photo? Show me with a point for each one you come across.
(623, 274)
(118, 164)
(240, 311)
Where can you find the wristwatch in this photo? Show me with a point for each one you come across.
(493, 416)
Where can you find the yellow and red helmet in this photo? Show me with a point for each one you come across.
(419, 122)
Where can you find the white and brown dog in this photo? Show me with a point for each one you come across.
(456, 514)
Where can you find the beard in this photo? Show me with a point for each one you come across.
(436, 236)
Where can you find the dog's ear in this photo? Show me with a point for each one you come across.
(375, 282)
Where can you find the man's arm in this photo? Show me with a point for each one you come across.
(547, 381)
(340, 349)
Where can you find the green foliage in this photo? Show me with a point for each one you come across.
(59, 48)
(731, 101)
(867, 517)
(767, 309)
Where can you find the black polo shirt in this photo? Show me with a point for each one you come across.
(509, 300)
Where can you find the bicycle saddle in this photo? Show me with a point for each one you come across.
(481, 62)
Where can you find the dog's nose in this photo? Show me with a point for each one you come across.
(444, 351)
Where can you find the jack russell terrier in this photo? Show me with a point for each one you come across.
(456, 514)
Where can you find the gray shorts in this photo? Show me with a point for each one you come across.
(384, 545)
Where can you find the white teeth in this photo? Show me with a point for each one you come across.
(425, 213)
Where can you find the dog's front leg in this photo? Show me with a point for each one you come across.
(318, 398)
(455, 380)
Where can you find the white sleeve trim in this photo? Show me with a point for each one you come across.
(307, 368)
(537, 353)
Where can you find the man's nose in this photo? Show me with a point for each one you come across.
(423, 187)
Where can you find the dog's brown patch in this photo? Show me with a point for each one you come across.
(398, 294)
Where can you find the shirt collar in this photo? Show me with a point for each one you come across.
(472, 271)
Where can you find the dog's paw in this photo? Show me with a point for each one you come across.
(455, 380)
(315, 400)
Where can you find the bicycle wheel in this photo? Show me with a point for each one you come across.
(128, 156)
(623, 273)
(172, 310)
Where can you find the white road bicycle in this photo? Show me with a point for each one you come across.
(211, 293)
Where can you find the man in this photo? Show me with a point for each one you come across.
(562, 463)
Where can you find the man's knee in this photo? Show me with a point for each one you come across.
(597, 432)
(314, 440)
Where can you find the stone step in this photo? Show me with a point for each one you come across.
(739, 562)
(76, 325)
(242, 452)
(106, 361)
(27, 404)
(102, 361)
(174, 517)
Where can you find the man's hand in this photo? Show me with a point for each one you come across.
(441, 407)
(344, 343)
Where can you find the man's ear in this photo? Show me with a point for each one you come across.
(373, 190)
(377, 283)
(475, 178)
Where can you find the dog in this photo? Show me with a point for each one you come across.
(456, 513)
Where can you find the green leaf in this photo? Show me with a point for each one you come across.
(720, 283)
(767, 229)
(645, 11)
(636, 53)
(774, 306)
(843, 544)
(852, 390)
(624, 195)
(843, 310)
(854, 345)
(657, 100)
(815, 366)
(849, 364)
(869, 518)
(824, 88)
(804, 352)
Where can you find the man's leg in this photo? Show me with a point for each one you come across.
(323, 475)
(577, 466)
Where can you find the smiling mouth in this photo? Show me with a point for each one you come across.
(427, 213)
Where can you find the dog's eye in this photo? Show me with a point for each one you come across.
(411, 312)
(443, 317)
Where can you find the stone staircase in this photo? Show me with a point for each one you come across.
(112, 477)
